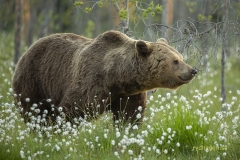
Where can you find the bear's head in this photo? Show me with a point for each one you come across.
(163, 65)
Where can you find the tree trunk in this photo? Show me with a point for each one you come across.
(17, 38)
(224, 35)
(167, 15)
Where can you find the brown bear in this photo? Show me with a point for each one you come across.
(81, 77)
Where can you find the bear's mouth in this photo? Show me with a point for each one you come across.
(185, 80)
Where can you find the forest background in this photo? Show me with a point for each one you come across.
(198, 121)
(199, 29)
(91, 18)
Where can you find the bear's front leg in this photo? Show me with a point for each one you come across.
(129, 109)
(71, 106)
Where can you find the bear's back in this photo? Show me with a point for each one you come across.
(46, 65)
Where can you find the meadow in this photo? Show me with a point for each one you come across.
(183, 124)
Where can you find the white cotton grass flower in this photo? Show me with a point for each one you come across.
(60, 109)
(45, 111)
(178, 144)
(96, 139)
(135, 127)
(19, 103)
(113, 142)
(34, 105)
(238, 92)
(182, 98)
(130, 152)
(158, 151)
(165, 151)
(10, 90)
(37, 110)
(138, 116)
(221, 138)
(118, 134)
(164, 134)
(140, 108)
(160, 141)
(234, 133)
(188, 127)
(168, 95)
(235, 119)
(116, 154)
(169, 130)
(145, 133)
(57, 147)
(151, 98)
(207, 94)
(27, 100)
(22, 154)
(105, 135)
(163, 99)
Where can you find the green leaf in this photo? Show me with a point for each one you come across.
(210, 17)
(87, 10)
(151, 4)
(100, 4)
(123, 14)
(145, 13)
(78, 3)
(190, 10)
(152, 14)
(158, 9)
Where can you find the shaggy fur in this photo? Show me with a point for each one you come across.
(84, 76)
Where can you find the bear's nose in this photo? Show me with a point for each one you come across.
(194, 71)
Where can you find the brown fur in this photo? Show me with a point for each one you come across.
(77, 73)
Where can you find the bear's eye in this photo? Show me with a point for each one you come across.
(175, 62)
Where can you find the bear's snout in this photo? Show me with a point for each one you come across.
(194, 72)
(188, 76)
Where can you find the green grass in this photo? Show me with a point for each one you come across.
(182, 124)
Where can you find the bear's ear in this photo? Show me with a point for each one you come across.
(143, 48)
(162, 40)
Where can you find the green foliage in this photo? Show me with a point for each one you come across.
(145, 8)
(87, 9)
(152, 10)
(151, 5)
(100, 4)
(158, 9)
(175, 126)
(123, 14)
(204, 18)
(6, 62)
(152, 14)
(191, 5)
(78, 3)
